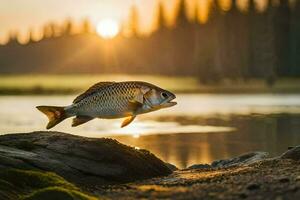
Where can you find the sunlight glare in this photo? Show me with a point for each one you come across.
(107, 28)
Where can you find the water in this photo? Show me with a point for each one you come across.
(200, 129)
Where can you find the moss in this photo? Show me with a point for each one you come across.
(34, 185)
(34, 179)
(57, 193)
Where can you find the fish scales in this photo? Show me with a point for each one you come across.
(113, 99)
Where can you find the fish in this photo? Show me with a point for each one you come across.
(111, 100)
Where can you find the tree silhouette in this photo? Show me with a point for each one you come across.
(31, 36)
(161, 20)
(55, 29)
(295, 40)
(282, 20)
(13, 38)
(181, 19)
(197, 39)
(214, 43)
(48, 31)
(68, 27)
(265, 45)
(134, 21)
(86, 26)
(252, 36)
(196, 14)
(235, 37)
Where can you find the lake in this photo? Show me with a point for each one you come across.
(200, 129)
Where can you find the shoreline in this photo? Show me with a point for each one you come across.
(212, 90)
(104, 168)
(73, 84)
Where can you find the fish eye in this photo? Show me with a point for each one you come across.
(164, 95)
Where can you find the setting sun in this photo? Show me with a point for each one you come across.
(107, 28)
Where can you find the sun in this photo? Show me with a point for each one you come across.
(107, 28)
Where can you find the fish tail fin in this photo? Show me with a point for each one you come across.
(55, 114)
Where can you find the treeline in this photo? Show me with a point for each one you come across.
(232, 44)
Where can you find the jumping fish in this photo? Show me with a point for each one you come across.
(111, 100)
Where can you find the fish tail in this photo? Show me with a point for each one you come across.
(55, 114)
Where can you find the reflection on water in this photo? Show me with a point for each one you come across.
(202, 128)
(271, 133)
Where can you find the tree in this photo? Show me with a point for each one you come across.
(31, 36)
(236, 47)
(134, 21)
(181, 19)
(161, 20)
(215, 43)
(197, 39)
(295, 40)
(86, 26)
(265, 51)
(48, 31)
(13, 38)
(252, 37)
(282, 36)
(68, 27)
(196, 14)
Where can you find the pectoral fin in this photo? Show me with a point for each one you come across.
(139, 97)
(78, 120)
(127, 121)
(134, 105)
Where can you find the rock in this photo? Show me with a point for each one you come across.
(171, 166)
(28, 184)
(200, 166)
(80, 160)
(284, 180)
(256, 181)
(244, 159)
(243, 195)
(293, 153)
(253, 186)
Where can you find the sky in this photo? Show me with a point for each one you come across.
(22, 15)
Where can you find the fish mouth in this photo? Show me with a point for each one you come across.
(170, 102)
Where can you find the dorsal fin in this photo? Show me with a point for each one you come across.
(92, 89)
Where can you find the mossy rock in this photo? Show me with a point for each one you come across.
(35, 185)
(57, 193)
(86, 162)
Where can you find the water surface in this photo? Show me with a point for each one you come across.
(200, 129)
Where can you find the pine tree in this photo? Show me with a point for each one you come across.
(86, 26)
(161, 20)
(197, 41)
(216, 44)
(181, 17)
(235, 39)
(68, 27)
(252, 39)
(30, 36)
(265, 45)
(47, 31)
(13, 38)
(282, 36)
(134, 21)
(196, 14)
(295, 40)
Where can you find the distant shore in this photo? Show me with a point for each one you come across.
(74, 84)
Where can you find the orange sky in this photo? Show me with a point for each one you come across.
(23, 15)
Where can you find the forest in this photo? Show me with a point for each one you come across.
(231, 44)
